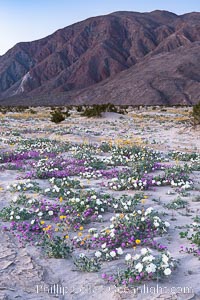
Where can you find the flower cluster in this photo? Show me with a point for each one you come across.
(125, 230)
(126, 203)
(67, 197)
(140, 180)
(143, 266)
(28, 185)
(193, 235)
(15, 213)
(87, 264)
(106, 255)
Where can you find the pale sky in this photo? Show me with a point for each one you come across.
(28, 20)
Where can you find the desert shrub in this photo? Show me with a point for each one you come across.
(57, 116)
(87, 264)
(196, 114)
(124, 106)
(3, 110)
(105, 147)
(93, 111)
(79, 108)
(110, 107)
(57, 247)
(121, 111)
(96, 110)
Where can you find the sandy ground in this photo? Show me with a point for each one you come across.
(26, 274)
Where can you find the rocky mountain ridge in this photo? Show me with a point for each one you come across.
(124, 58)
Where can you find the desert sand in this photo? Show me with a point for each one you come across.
(26, 273)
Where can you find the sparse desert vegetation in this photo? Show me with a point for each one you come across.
(110, 201)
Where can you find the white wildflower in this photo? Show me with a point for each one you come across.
(151, 268)
(139, 267)
(167, 271)
(112, 253)
(128, 257)
(98, 254)
(148, 211)
(119, 251)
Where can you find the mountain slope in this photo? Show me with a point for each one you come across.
(78, 58)
(169, 78)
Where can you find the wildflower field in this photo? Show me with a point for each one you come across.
(99, 207)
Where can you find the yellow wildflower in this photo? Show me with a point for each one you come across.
(137, 242)
(47, 228)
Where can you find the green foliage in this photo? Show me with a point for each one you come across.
(57, 247)
(86, 264)
(192, 234)
(57, 116)
(196, 114)
(195, 238)
(79, 108)
(105, 147)
(14, 213)
(96, 110)
(196, 219)
(177, 204)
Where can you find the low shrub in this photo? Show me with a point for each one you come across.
(57, 116)
(196, 114)
(96, 110)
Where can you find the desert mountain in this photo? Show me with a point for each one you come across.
(123, 57)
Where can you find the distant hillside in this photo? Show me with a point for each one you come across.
(124, 58)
